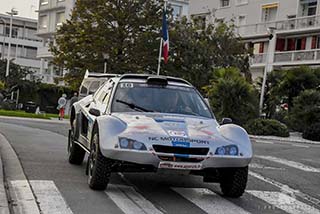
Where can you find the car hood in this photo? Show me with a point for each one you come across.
(169, 128)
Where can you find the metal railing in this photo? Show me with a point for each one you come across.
(281, 25)
(294, 56)
(288, 56)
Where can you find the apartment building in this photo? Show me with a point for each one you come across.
(24, 42)
(294, 24)
(52, 13)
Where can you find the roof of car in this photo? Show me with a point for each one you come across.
(145, 77)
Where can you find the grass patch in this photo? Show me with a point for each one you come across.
(11, 113)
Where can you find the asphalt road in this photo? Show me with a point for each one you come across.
(284, 178)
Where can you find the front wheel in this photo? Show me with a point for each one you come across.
(75, 152)
(99, 167)
(233, 181)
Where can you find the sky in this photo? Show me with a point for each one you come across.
(26, 8)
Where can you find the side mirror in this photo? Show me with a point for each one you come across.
(95, 112)
(226, 121)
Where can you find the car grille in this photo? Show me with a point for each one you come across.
(181, 150)
(181, 159)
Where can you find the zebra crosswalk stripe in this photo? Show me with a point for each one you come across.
(289, 163)
(129, 200)
(209, 201)
(49, 197)
(285, 202)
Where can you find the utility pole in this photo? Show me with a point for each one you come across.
(268, 67)
(11, 13)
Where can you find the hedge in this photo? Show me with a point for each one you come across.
(266, 127)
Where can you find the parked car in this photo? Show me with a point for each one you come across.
(146, 123)
(91, 82)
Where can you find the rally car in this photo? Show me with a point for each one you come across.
(146, 123)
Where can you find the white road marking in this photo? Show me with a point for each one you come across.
(293, 164)
(263, 141)
(209, 201)
(129, 200)
(285, 202)
(49, 198)
(24, 201)
(301, 146)
(286, 189)
(260, 166)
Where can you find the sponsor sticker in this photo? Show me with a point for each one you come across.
(182, 166)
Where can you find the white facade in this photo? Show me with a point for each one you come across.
(295, 25)
(24, 42)
(52, 13)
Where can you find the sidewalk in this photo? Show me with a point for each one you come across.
(4, 206)
(295, 137)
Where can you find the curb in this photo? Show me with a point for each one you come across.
(65, 121)
(283, 139)
(4, 205)
(23, 200)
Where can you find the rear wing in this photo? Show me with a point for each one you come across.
(99, 75)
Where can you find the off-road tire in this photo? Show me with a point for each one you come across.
(233, 181)
(100, 172)
(75, 152)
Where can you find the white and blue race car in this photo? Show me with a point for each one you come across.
(146, 123)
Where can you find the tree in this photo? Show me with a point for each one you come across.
(127, 30)
(297, 80)
(196, 49)
(232, 96)
(305, 110)
(17, 74)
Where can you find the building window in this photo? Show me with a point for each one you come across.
(224, 3)
(60, 19)
(44, 2)
(240, 2)
(177, 10)
(269, 12)
(43, 22)
(242, 20)
(31, 53)
(308, 7)
(14, 32)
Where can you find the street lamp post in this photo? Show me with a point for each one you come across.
(11, 13)
(106, 58)
(4, 36)
(268, 66)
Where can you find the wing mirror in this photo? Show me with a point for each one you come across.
(95, 112)
(226, 120)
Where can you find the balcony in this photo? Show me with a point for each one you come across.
(297, 24)
(43, 52)
(297, 57)
(305, 57)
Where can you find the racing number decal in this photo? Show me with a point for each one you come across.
(126, 85)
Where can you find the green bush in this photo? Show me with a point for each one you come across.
(305, 111)
(267, 127)
(232, 96)
(312, 132)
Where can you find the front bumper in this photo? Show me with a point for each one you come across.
(153, 158)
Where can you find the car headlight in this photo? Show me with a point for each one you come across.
(126, 143)
(227, 150)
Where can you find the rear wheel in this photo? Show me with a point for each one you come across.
(75, 152)
(233, 181)
(99, 167)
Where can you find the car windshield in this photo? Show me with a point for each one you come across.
(163, 99)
